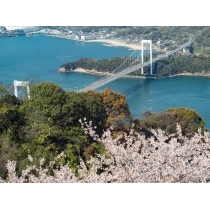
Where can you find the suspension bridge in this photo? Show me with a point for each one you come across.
(133, 63)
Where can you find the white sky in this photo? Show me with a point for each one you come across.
(106, 12)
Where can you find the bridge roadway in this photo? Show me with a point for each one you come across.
(128, 70)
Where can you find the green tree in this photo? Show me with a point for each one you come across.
(11, 127)
(188, 119)
(48, 99)
(9, 100)
(3, 90)
(88, 105)
(9, 150)
(43, 132)
(52, 122)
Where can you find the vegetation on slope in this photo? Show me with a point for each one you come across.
(48, 124)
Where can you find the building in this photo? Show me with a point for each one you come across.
(2, 29)
(87, 37)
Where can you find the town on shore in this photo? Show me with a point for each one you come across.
(111, 36)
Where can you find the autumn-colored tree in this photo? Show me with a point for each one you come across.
(117, 111)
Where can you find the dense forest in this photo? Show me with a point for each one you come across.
(173, 65)
(48, 124)
(183, 64)
(104, 65)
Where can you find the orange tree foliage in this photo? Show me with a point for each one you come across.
(117, 111)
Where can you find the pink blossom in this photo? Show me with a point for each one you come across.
(160, 158)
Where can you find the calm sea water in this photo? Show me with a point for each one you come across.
(39, 55)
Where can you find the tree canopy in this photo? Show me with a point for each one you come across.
(187, 118)
(48, 123)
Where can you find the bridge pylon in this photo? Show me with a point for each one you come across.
(137, 65)
(24, 84)
(142, 55)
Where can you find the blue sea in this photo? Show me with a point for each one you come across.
(40, 56)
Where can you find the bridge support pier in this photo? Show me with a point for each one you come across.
(21, 84)
(142, 54)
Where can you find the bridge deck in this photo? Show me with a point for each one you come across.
(131, 69)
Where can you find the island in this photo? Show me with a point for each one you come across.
(191, 61)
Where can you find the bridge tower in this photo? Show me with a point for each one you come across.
(142, 54)
(24, 84)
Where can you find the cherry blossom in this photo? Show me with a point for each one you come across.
(131, 158)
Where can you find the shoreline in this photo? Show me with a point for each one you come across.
(99, 73)
(117, 43)
(189, 74)
(92, 71)
(106, 42)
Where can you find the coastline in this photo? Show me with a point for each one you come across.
(117, 43)
(94, 72)
(189, 74)
(106, 42)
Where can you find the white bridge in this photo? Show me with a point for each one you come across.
(133, 63)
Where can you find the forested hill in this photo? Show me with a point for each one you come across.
(180, 63)
(50, 122)
(103, 65)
